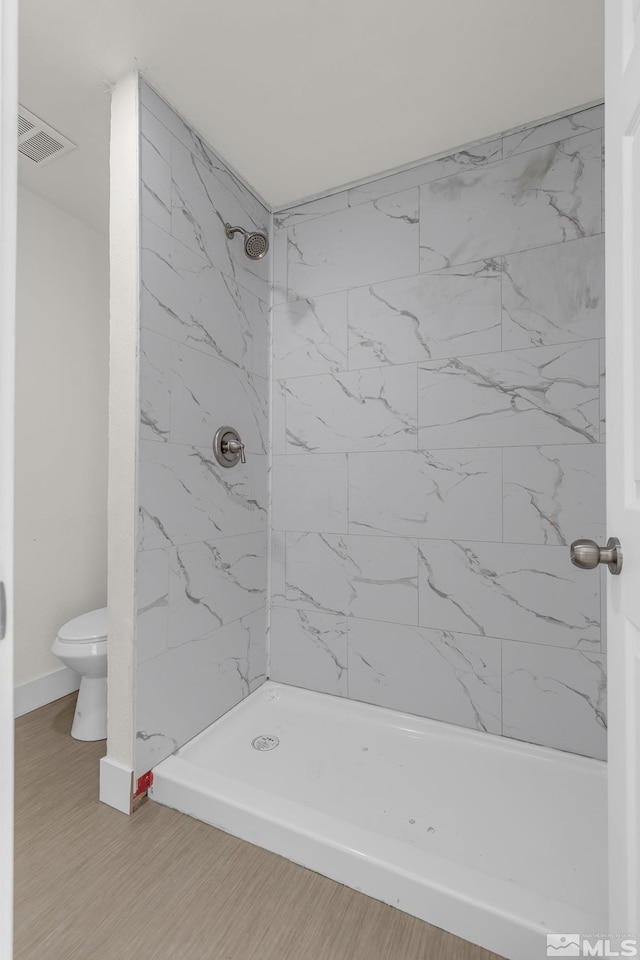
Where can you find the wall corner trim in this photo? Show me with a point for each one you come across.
(116, 785)
(124, 252)
(45, 689)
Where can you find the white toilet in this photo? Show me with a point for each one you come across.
(81, 644)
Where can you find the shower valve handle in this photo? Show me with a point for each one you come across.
(228, 447)
(234, 447)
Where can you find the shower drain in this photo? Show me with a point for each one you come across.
(266, 742)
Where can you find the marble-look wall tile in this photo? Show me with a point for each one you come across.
(309, 650)
(553, 131)
(360, 410)
(277, 582)
(524, 591)
(215, 582)
(194, 143)
(182, 692)
(256, 624)
(201, 205)
(502, 325)
(311, 209)
(310, 336)
(427, 494)
(205, 194)
(468, 159)
(542, 395)
(278, 417)
(364, 244)
(555, 697)
(423, 318)
(279, 251)
(155, 166)
(554, 294)
(554, 494)
(261, 339)
(207, 393)
(202, 565)
(184, 495)
(246, 197)
(353, 576)
(155, 386)
(547, 195)
(172, 276)
(185, 298)
(152, 595)
(309, 492)
(603, 392)
(432, 673)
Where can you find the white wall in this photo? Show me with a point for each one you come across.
(61, 428)
(116, 769)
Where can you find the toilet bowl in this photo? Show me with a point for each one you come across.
(81, 644)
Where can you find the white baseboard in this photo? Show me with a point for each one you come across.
(116, 785)
(36, 693)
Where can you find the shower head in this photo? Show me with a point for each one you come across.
(255, 244)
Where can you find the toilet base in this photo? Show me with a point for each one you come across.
(90, 719)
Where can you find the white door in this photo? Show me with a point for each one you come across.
(8, 199)
(622, 126)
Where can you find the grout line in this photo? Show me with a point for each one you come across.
(502, 488)
(445, 154)
(502, 687)
(418, 416)
(424, 363)
(200, 637)
(426, 449)
(602, 167)
(270, 389)
(348, 493)
(285, 558)
(380, 534)
(204, 262)
(503, 266)
(461, 170)
(534, 644)
(419, 591)
(449, 270)
(348, 666)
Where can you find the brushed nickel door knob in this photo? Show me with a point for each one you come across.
(586, 554)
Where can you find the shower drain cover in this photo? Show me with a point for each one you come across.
(265, 742)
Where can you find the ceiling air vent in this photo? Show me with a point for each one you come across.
(38, 141)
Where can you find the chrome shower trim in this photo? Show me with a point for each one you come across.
(256, 244)
(231, 231)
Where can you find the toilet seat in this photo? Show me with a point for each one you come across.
(87, 628)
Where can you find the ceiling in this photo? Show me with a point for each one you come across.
(302, 96)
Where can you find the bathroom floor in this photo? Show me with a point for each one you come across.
(93, 884)
(495, 840)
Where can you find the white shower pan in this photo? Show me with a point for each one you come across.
(494, 840)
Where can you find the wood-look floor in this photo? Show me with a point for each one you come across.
(93, 884)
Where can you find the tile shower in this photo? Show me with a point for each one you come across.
(416, 369)
(437, 438)
(204, 348)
